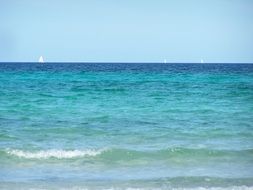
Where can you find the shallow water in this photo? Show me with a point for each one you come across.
(123, 126)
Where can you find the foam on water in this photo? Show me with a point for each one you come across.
(128, 154)
(60, 154)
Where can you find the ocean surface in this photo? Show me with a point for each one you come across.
(126, 126)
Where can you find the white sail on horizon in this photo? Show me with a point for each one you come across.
(41, 59)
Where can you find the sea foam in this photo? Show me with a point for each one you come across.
(60, 154)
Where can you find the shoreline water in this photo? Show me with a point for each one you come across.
(126, 126)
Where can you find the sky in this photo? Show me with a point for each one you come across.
(217, 31)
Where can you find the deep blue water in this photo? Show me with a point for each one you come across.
(122, 126)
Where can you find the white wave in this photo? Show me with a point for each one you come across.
(61, 154)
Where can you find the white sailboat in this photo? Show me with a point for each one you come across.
(165, 61)
(202, 61)
(41, 59)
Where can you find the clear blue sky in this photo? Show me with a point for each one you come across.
(127, 30)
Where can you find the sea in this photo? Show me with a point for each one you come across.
(126, 126)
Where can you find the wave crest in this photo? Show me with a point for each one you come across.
(60, 154)
(115, 154)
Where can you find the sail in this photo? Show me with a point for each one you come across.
(41, 60)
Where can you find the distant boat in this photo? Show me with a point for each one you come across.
(41, 59)
(202, 61)
(165, 61)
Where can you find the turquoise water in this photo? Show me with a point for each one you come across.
(126, 126)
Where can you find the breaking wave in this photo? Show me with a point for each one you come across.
(60, 154)
(113, 154)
